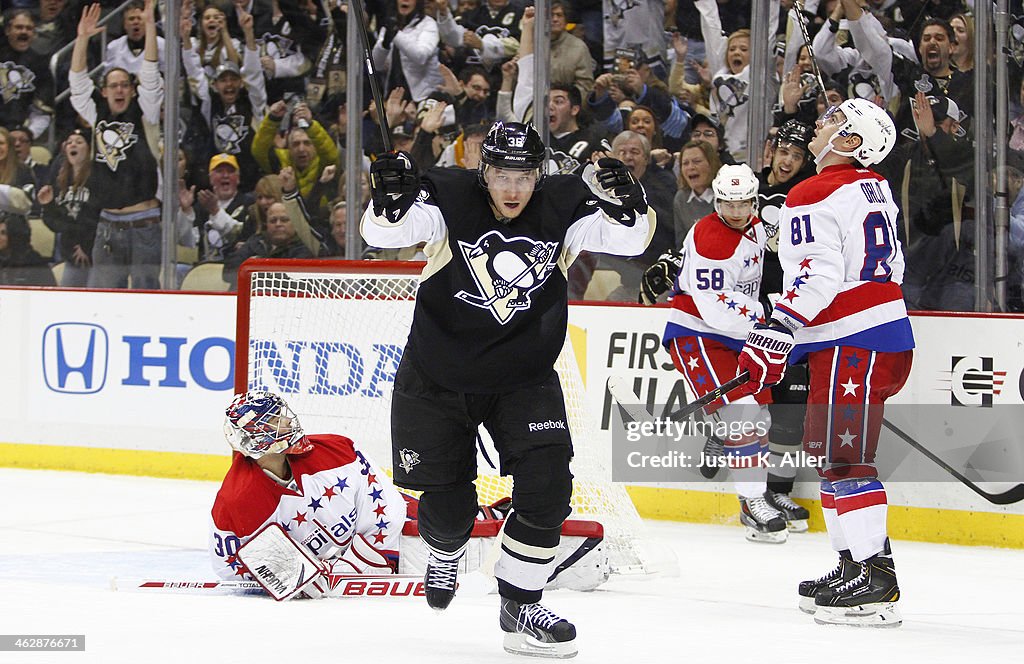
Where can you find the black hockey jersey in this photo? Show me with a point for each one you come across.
(124, 170)
(492, 308)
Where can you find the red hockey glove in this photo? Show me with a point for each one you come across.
(765, 355)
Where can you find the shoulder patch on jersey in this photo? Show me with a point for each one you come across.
(817, 188)
(714, 240)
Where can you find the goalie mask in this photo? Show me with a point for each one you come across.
(871, 123)
(259, 423)
(735, 189)
(513, 146)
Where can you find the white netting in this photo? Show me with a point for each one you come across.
(330, 343)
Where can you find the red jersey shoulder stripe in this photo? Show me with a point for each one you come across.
(816, 189)
(715, 241)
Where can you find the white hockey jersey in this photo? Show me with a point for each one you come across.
(843, 264)
(716, 291)
(335, 493)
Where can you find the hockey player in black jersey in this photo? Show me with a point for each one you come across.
(489, 323)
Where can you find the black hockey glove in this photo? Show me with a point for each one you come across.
(659, 277)
(615, 178)
(394, 184)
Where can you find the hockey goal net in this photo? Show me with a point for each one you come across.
(328, 336)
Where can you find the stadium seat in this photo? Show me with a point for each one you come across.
(601, 284)
(42, 237)
(58, 271)
(206, 277)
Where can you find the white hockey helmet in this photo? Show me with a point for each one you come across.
(257, 423)
(871, 123)
(735, 183)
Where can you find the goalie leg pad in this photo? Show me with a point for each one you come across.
(278, 564)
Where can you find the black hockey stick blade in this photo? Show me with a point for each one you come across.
(625, 398)
(717, 393)
(1008, 497)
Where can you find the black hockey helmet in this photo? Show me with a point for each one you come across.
(513, 145)
(796, 133)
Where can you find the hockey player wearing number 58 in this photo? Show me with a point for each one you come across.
(717, 279)
(489, 322)
(842, 306)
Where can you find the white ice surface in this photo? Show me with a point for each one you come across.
(66, 535)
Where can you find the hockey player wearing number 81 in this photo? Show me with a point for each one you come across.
(489, 322)
(714, 304)
(842, 307)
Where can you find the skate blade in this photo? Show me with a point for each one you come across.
(807, 605)
(754, 535)
(521, 644)
(881, 614)
(797, 526)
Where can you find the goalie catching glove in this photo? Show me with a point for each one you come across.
(765, 355)
(611, 180)
(659, 277)
(394, 184)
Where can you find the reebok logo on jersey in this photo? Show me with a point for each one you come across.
(547, 424)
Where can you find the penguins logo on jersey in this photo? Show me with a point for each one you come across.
(112, 142)
(476, 57)
(229, 131)
(15, 81)
(506, 271)
(731, 91)
(275, 46)
(565, 164)
(408, 459)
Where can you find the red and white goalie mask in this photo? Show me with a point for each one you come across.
(258, 423)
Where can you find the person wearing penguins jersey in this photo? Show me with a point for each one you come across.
(490, 320)
(124, 173)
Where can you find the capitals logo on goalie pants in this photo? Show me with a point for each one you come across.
(844, 418)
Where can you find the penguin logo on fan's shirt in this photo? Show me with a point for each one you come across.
(112, 142)
(506, 271)
(16, 81)
(229, 131)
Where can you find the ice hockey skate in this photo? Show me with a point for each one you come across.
(763, 522)
(535, 631)
(795, 515)
(845, 571)
(440, 581)
(867, 600)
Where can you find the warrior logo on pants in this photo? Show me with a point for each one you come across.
(506, 271)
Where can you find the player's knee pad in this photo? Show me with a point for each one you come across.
(543, 486)
(446, 517)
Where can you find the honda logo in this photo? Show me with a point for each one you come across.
(75, 357)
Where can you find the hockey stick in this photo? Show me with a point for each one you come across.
(1010, 496)
(801, 20)
(378, 96)
(348, 585)
(625, 398)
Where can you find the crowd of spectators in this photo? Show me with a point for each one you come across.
(662, 85)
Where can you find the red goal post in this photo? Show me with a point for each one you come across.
(328, 336)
